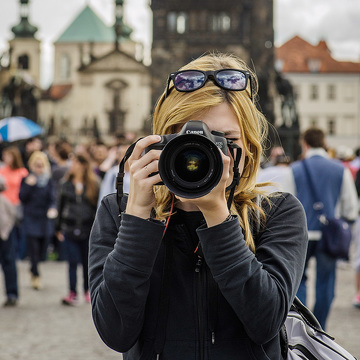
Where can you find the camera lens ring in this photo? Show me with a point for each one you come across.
(176, 178)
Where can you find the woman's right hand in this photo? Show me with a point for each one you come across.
(141, 194)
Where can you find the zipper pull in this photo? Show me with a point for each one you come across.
(213, 337)
(199, 263)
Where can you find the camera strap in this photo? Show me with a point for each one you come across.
(236, 176)
(121, 174)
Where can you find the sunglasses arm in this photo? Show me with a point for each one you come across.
(167, 87)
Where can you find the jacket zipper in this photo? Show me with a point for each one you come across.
(198, 271)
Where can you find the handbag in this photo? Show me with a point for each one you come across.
(336, 233)
(303, 338)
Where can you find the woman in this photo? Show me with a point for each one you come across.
(37, 194)
(12, 172)
(232, 276)
(77, 206)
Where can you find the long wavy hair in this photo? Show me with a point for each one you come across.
(91, 181)
(179, 107)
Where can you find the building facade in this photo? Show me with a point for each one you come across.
(327, 91)
(100, 88)
(184, 30)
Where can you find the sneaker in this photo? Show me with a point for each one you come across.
(356, 302)
(87, 297)
(11, 301)
(35, 282)
(71, 299)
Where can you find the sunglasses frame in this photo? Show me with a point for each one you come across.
(209, 75)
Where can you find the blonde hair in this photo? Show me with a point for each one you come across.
(179, 107)
(41, 157)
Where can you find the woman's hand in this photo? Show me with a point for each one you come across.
(31, 180)
(214, 205)
(141, 194)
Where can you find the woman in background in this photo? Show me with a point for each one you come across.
(12, 173)
(37, 194)
(77, 207)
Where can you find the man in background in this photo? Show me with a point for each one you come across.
(335, 187)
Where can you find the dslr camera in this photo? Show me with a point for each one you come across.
(190, 163)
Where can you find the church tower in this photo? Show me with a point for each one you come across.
(24, 47)
(184, 30)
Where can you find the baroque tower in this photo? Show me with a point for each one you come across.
(184, 30)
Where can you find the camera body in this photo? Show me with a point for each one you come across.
(190, 164)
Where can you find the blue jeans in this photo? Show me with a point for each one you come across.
(325, 282)
(77, 252)
(8, 263)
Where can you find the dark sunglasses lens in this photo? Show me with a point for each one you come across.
(232, 79)
(189, 80)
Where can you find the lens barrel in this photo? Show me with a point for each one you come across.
(190, 165)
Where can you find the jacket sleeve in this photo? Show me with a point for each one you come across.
(26, 191)
(121, 260)
(260, 287)
(348, 200)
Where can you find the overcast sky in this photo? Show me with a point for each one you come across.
(337, 22)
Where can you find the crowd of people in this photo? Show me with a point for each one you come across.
(49, 193)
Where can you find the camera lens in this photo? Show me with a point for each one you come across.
(190, 165)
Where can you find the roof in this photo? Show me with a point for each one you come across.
(57, 92)
(299, 56)
(87, 27)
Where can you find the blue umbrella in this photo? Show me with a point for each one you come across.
(18, 128)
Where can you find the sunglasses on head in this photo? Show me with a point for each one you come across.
(191, 80)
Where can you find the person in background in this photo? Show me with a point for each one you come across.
(356, 259)
(334, 182)
(108, 184)
(12, 172)
(37, 194)
(205, 277)
(31, 145)
(279, 174)
(60, 154)
(78, 197)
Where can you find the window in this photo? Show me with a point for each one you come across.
(65, 66)
(221, 22)
(331, 126)
(314, 92)
(331, 92)
(23, 62)
(177, 22)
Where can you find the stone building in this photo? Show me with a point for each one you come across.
(327, 91)
(101, 87)
(20, 73)
(184, 30)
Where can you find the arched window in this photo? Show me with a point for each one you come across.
(65, 66)
(23, 62)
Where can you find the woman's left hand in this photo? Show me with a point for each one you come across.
(214, 205)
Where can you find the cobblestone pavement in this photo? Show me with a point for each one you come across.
(40, 328)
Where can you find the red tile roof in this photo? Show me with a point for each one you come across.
(296, 54)
(57, 92)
